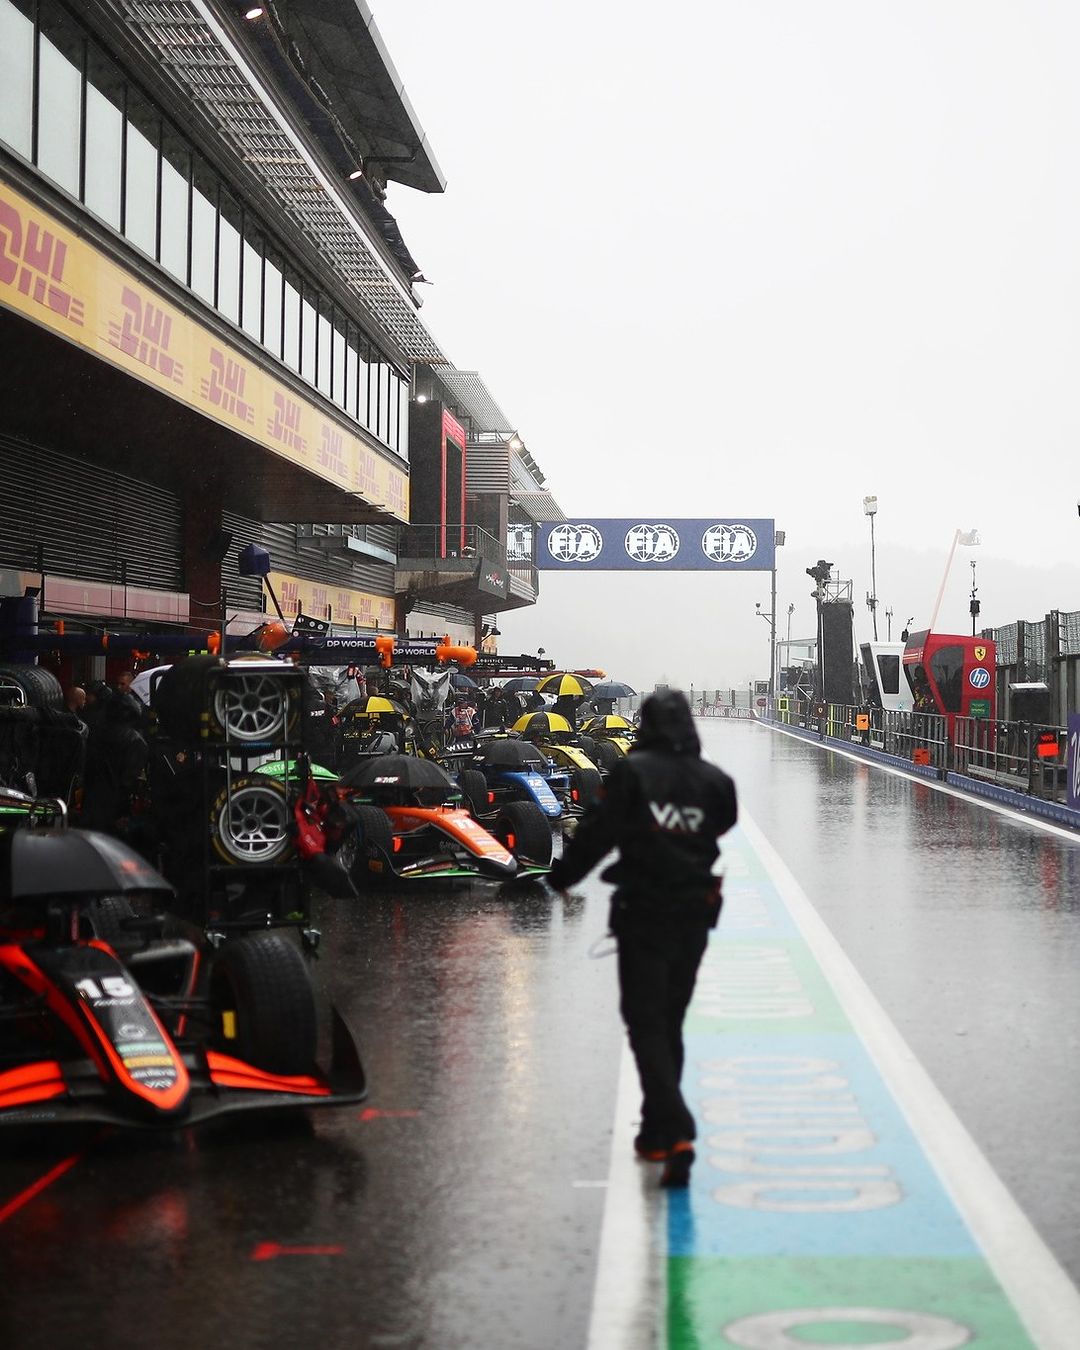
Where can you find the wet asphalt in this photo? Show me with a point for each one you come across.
(460, 1205)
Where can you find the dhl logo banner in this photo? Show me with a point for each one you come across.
(323, 600)
(60, 281)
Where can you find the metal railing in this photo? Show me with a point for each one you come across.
(1023, 756)
(449, 541)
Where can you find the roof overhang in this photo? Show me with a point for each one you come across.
(346, 54)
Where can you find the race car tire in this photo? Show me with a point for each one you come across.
(475, 789)
(371, 834)
(247, 706)
(251, 823)
(40, 687)
(523, 828)
(107, 917)
(262, 980)
(606, 756)
(588, 784)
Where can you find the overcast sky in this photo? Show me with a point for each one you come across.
(761, 258)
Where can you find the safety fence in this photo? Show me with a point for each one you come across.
(1021, 756)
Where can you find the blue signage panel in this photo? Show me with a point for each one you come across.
(658, 543)
(1074, 761)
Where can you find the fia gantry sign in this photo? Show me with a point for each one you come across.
(651, 543)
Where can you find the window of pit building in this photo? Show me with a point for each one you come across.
(230, 224)
(103, 161)
(175, 204)
(59, 130)
(351, 390)
(142, 140)
(17, 75)
(339, 340)
(309, 347)
(204, 195)
(324, 351)
(273, 302)
(251, 282)
(291, 348)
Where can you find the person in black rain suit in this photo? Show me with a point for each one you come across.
(663, 809)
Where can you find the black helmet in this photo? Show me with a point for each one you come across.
(668, 724)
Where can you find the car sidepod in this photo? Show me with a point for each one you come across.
(534, 787)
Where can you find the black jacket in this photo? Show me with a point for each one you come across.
(663, 812)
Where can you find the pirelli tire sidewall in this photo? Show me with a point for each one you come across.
(251, 823)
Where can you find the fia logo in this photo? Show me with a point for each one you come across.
(679, 819)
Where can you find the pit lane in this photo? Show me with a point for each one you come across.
(462, 1204)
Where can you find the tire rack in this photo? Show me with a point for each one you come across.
(221, 750)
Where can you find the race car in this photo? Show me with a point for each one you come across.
(106, 1017)
(496, 770)
(557, 741)
(409, 821)
(612, 737)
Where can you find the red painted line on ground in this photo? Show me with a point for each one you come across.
(373, 1113)
(35, 1188)
(269, 1251)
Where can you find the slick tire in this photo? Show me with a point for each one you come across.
(251, 823)
(40, 687)
(264, 1005)
(588, 783)
(475, 789)
(523, 828)
(606, 756)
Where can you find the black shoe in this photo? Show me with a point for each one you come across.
(680, 1159)
(650, 1149)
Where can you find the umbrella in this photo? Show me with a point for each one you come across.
(77, 863)
(542, 724)
(521, 684)
(460, 681)
(403, 771)
(507, 754)
(610, 722)
(565, 685)
(375, 705)
(612, 689)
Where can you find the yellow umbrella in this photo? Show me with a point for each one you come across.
(564, 685)
(542, 724)
(611, 722)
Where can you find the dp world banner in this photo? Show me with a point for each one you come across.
(654, 543)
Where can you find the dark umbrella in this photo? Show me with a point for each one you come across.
(612, 689)
(460, 681)
(77, 863)
(403, 771)
(508, 754)
(521, 684)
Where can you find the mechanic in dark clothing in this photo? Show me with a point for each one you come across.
(664, 808)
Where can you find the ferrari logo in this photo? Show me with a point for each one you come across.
(980, 653)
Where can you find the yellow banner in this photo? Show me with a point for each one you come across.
(51, 275)
(322, 600)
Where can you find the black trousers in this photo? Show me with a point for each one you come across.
(658, 965)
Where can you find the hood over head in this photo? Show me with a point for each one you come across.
(667, 724)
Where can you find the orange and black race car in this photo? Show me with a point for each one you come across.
(105, 1018)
